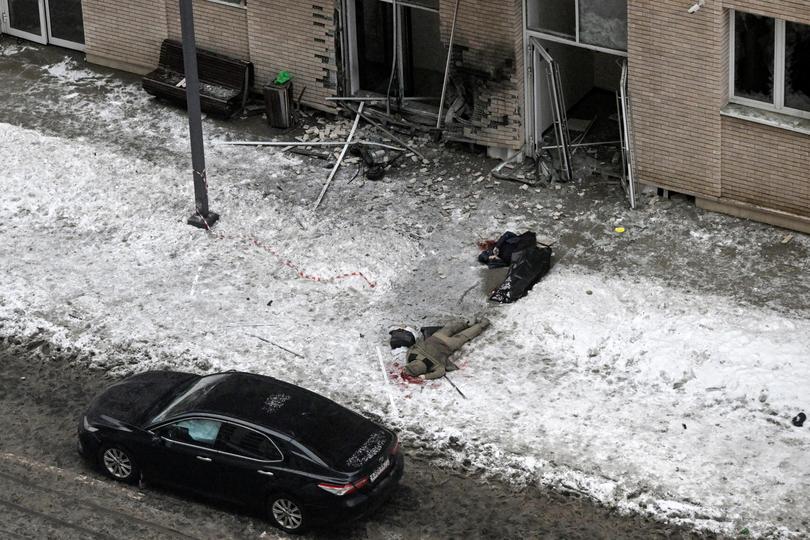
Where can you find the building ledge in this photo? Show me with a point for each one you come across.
(743, 210)
(768, 118)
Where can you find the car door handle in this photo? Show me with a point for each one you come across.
(205, 459)
(266, 473)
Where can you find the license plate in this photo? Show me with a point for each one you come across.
(381, 469)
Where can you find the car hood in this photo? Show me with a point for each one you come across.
(129, 401)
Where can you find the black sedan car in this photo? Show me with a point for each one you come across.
(295, 455)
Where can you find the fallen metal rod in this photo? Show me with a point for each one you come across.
(395, 62)
(447, 66)
(340, 158)
(277, 345)
(379, 100)
(366, 99)
(454, 386)
(387, 132)
(583, 145)
(311, 143)
(516, 157)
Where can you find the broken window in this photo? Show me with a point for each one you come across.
(753, 57)
(797, 66)
(396, 55)
(556, 17)
(771, 63)
(594, 23)
(375, 44)
(603, 23)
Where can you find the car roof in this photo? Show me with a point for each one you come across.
(265, 402)
(333, 432)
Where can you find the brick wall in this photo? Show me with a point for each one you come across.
(679, 72)
(766, 166)
(678, 82)
(218, 27)
(298, 37)
(763, 165)
(792, 10)
(125, 34)
(489, 41)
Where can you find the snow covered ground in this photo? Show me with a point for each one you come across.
(625, 387)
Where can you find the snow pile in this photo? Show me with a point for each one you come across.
(68, 71)
(10, 49)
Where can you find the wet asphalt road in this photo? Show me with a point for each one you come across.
(47, 491)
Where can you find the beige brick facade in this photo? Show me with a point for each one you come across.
(490, 36)
(124, 34)
(298, 37)
(218, 27)
(301, 37)
(679, 78)
(766, 166)
(679, 72)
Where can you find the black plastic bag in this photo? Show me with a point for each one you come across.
(528, 267)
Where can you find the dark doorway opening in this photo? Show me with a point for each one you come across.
(419, 70)
(375, 44)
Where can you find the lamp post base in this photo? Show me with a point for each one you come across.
(203, 222)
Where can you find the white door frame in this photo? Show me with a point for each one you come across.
(353, 66)
(351, 41)
(537, 87)
(57, 41)
(6, 19)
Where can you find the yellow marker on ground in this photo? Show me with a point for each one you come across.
(619, 230)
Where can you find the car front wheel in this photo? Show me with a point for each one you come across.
(118, 464)
(287, 514)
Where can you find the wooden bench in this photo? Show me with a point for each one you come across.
(225, 82)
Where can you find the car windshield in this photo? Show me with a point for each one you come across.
(187, 401)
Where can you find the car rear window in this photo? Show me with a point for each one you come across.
(342, 438)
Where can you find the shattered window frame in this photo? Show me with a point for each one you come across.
(531, 7)
(777, 104)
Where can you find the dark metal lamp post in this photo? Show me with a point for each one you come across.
(203, 217)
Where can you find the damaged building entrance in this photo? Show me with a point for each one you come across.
(576, 77)
(394, 49)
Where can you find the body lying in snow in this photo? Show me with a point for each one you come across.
(431, 357)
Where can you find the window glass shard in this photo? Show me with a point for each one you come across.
(556, 17)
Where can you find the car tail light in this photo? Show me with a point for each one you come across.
(344, 489)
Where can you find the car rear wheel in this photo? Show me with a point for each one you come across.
(118, 464)
(287, 514)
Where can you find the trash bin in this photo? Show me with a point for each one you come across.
(278, 101)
